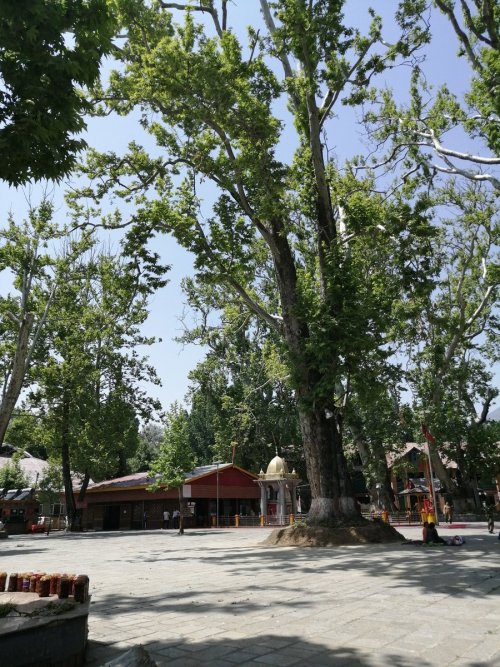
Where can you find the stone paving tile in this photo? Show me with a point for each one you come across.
(219, 599)
(485, 649)
(277, 658)
(184, 661)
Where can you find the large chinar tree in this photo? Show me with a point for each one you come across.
(250, 117)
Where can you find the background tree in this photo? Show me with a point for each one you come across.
(378, 423)
(89, 386)
(12, 475)
(446, 142)
(51, 485)
(457, 333)
(448, 132)
(175, 457)
(48, 49)
(150, 437)
(33, 268)
(27, 432)
(210, 104)
(242, 406)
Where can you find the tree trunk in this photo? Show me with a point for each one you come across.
(331, 489)
(83, 488)
(380, 474)
(459, 491)
(17, 375)
(66, 466)
(182, 504)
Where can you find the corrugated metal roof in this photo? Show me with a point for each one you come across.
(11, 494)
(25, 493)
(137, 479)
(142, 478)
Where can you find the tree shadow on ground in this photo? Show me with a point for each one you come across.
(435, 570)
(263, 649)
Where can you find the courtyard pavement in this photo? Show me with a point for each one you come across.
(220, 598)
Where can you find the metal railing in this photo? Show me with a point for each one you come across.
(236, 521)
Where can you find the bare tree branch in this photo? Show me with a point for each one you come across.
(471, 175)
(469, 157)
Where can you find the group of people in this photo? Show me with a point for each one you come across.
(175, 519)
(430, 534)
(166, 519)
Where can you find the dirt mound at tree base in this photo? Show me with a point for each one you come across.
(302, 535)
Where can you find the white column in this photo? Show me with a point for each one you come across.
(281, 501)
(263, 498)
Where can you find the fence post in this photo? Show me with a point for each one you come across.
(236, 520)
(262, 520)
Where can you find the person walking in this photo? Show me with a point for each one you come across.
(490, 515)
(175, 517)
(166, 519)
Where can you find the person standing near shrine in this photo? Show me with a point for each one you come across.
(448, 512)
(166, 519)
(490, 515)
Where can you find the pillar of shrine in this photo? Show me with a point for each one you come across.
(278, 492)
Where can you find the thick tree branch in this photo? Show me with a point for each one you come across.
(201, 8)
(470, 23)
(272, 321)
(287, 68)
(443, 6)
(486, 407)
(471, 175)
(332, 96)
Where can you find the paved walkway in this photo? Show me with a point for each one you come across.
(219, 598)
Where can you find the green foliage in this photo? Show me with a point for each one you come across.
(150, 438)
(48, 49)
(175, 457)
(27, 432)
(51, 484)
(29, 260)
(89, 383)
(241, 399)
(12, 475)
(343, 267)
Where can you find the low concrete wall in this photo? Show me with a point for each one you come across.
(53, 634)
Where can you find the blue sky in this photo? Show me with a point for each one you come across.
(172, 360)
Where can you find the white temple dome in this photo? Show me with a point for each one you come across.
(277, 466)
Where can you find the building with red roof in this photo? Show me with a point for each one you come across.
(125, 503)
